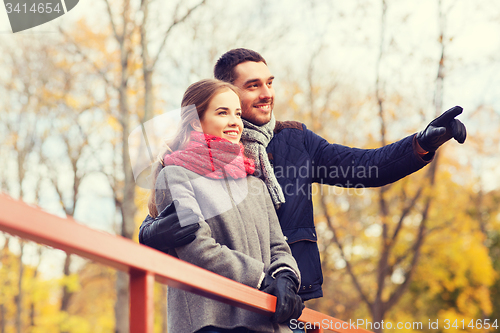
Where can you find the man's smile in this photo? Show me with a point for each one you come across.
(266, 107)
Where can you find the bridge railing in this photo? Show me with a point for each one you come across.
(145, 266)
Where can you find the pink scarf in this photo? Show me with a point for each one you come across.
(212, 157)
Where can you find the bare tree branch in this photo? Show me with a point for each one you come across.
(174, 23)
(377, 82)
(342, 253)
(405, 212)
(396, 295)
(79, 51)
(111, 20)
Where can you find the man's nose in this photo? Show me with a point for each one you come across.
(266, 92)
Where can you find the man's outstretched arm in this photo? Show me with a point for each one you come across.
(350, 167)
(165, 232)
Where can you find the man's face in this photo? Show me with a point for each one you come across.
(257, 92)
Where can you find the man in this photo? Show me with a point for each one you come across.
(289, 158)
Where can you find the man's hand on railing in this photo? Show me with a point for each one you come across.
(289, 305)
(165, 232)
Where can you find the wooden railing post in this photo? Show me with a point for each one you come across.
(141, 301)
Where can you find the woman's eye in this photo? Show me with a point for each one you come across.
(238, 114)
(222, 112)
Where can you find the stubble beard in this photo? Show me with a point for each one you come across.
(258, 117)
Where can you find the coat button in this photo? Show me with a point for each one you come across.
(310, 286)
(304, 287)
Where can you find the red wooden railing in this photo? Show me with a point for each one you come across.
(144, 265)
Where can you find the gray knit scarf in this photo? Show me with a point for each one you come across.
(255, 139)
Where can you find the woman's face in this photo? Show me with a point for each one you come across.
(223, 116)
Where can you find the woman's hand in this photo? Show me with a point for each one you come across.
(165, 232)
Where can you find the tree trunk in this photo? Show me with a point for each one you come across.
(128, 205)
(122, 309)
(19, 297)
(2, 318)
(378, 314)
(2, 307)
(377, 308)
(146, 69)
(66, 294)
(32, 305)
(163, 306)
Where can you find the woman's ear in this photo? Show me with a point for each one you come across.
(196, 125)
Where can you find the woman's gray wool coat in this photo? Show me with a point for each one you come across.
(239, 237)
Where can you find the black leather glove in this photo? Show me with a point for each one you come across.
(268, 280)
(165, 232)
(442, 129)
(289, 305)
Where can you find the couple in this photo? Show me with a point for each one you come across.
(269, 144)
(239, 235)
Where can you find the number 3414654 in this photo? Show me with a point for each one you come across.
(478, 324)
(46, 7)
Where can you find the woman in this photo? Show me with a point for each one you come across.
(239, 236)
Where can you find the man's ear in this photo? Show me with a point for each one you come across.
(196, 125)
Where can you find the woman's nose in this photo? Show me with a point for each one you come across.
(233, 120)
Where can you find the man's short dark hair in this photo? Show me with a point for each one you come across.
(224, 67)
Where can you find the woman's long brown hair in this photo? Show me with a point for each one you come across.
(194, 105)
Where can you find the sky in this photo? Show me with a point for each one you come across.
(350, 33)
